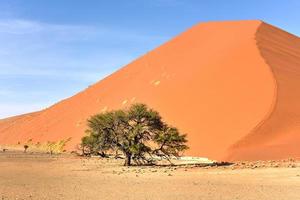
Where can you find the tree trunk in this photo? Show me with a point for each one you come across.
(102, 154)
(83, 151)
(127, 159)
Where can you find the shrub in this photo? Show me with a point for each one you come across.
(25, 148)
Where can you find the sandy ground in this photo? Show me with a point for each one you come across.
(40, 176)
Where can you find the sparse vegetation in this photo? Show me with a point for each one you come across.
(138, 132)
(54, 147)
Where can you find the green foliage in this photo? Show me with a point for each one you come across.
(138, 132)
(170, 142)
(56, 147)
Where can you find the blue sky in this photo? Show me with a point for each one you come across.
(51, 49)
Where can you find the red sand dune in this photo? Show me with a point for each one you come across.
(233, 87)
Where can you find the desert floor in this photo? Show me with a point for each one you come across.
(41, 176)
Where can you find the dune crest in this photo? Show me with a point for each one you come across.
(278, 135)
(233, 87)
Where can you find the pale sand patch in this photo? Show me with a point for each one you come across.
(133, 99)
(124, 102)
(156, 83)
(104, 109)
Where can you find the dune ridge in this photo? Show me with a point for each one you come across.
(231, 86)
(278, 135)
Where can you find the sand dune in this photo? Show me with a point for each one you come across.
(233, 87)
(277, 136)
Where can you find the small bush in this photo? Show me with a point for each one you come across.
(25, 148)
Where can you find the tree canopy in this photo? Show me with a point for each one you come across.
(138, 132)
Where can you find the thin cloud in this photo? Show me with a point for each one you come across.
(9, 109)
(66, 32)
(23, 27)
(59, 56)
(35, 47)
(167, 3)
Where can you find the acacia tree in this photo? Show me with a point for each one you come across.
(138, 132)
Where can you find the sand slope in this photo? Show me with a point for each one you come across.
(278, 136)
(233, 87)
